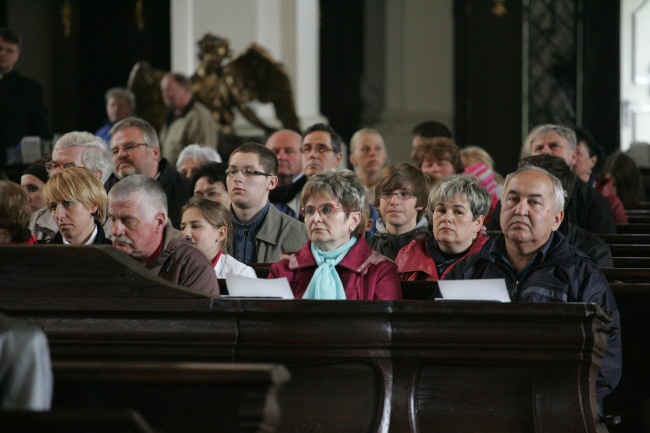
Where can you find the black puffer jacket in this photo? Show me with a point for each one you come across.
(563, 274)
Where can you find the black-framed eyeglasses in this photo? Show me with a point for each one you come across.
(326, 209)
(127, 147)
(246, 172)
(402, 195)
(53, 165)
(319, 148)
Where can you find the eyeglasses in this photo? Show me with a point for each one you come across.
(402, 195)
(325, 210)
(320, 149)
(127, 147)
(247, 172)
(53, 165)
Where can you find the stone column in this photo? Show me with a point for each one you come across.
(418, 70)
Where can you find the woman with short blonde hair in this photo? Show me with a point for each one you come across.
(78, 202)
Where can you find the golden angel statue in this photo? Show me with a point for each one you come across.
(251, 76)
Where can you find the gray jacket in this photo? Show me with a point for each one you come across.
(279, 234)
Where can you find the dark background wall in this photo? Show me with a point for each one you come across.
(107, 37)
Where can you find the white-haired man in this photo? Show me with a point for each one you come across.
(74, 149)
(137, 212)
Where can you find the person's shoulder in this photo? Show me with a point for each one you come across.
(23, 80)
(362, 253)
(183, 250)
(232, 265)
(288, 221)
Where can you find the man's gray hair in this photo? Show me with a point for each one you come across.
(143, 189)
(557, 193)
(198, 152)
(120, 92)
(148, 131)
(96, 157)
(460, 185)
(567, 133)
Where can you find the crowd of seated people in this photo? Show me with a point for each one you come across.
(429, 217)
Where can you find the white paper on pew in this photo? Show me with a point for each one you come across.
(245, 287)
(475, 290)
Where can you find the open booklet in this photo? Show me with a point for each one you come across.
(246, 287)
(475, 290)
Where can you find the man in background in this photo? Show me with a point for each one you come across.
(188, 122)
(22, 110)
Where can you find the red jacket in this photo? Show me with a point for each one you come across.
(365, 273)
(606, 188)
(415, 263)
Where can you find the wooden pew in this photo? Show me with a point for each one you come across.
(627, 275)
(75, 420)
(261, 269)
(527, 367)
(408, 365)
(169, 397)
(625, 239)
(636, 228)
(178, 397)
(632, 262)
(633, 391)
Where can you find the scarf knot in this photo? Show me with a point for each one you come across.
(326, 282)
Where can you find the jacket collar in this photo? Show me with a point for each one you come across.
(356, 260)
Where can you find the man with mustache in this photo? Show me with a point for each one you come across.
(539, 264)
(135, 150)
(137, 212)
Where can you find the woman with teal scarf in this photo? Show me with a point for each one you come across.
(336, 262)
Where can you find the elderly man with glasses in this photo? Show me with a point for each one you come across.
(74, 149)
(261, 232)
(135, 150)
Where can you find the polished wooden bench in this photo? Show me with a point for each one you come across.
(631, 262)
(407, 365)
(158, 396)
(635, 228)
(626, 238)
(633, 391)
(527, 367)
(75, 420)
(627, 275)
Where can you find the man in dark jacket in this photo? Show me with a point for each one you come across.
(538, 263)
(585, 241)
(137, 212)
(136, 150)
(22, 111)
